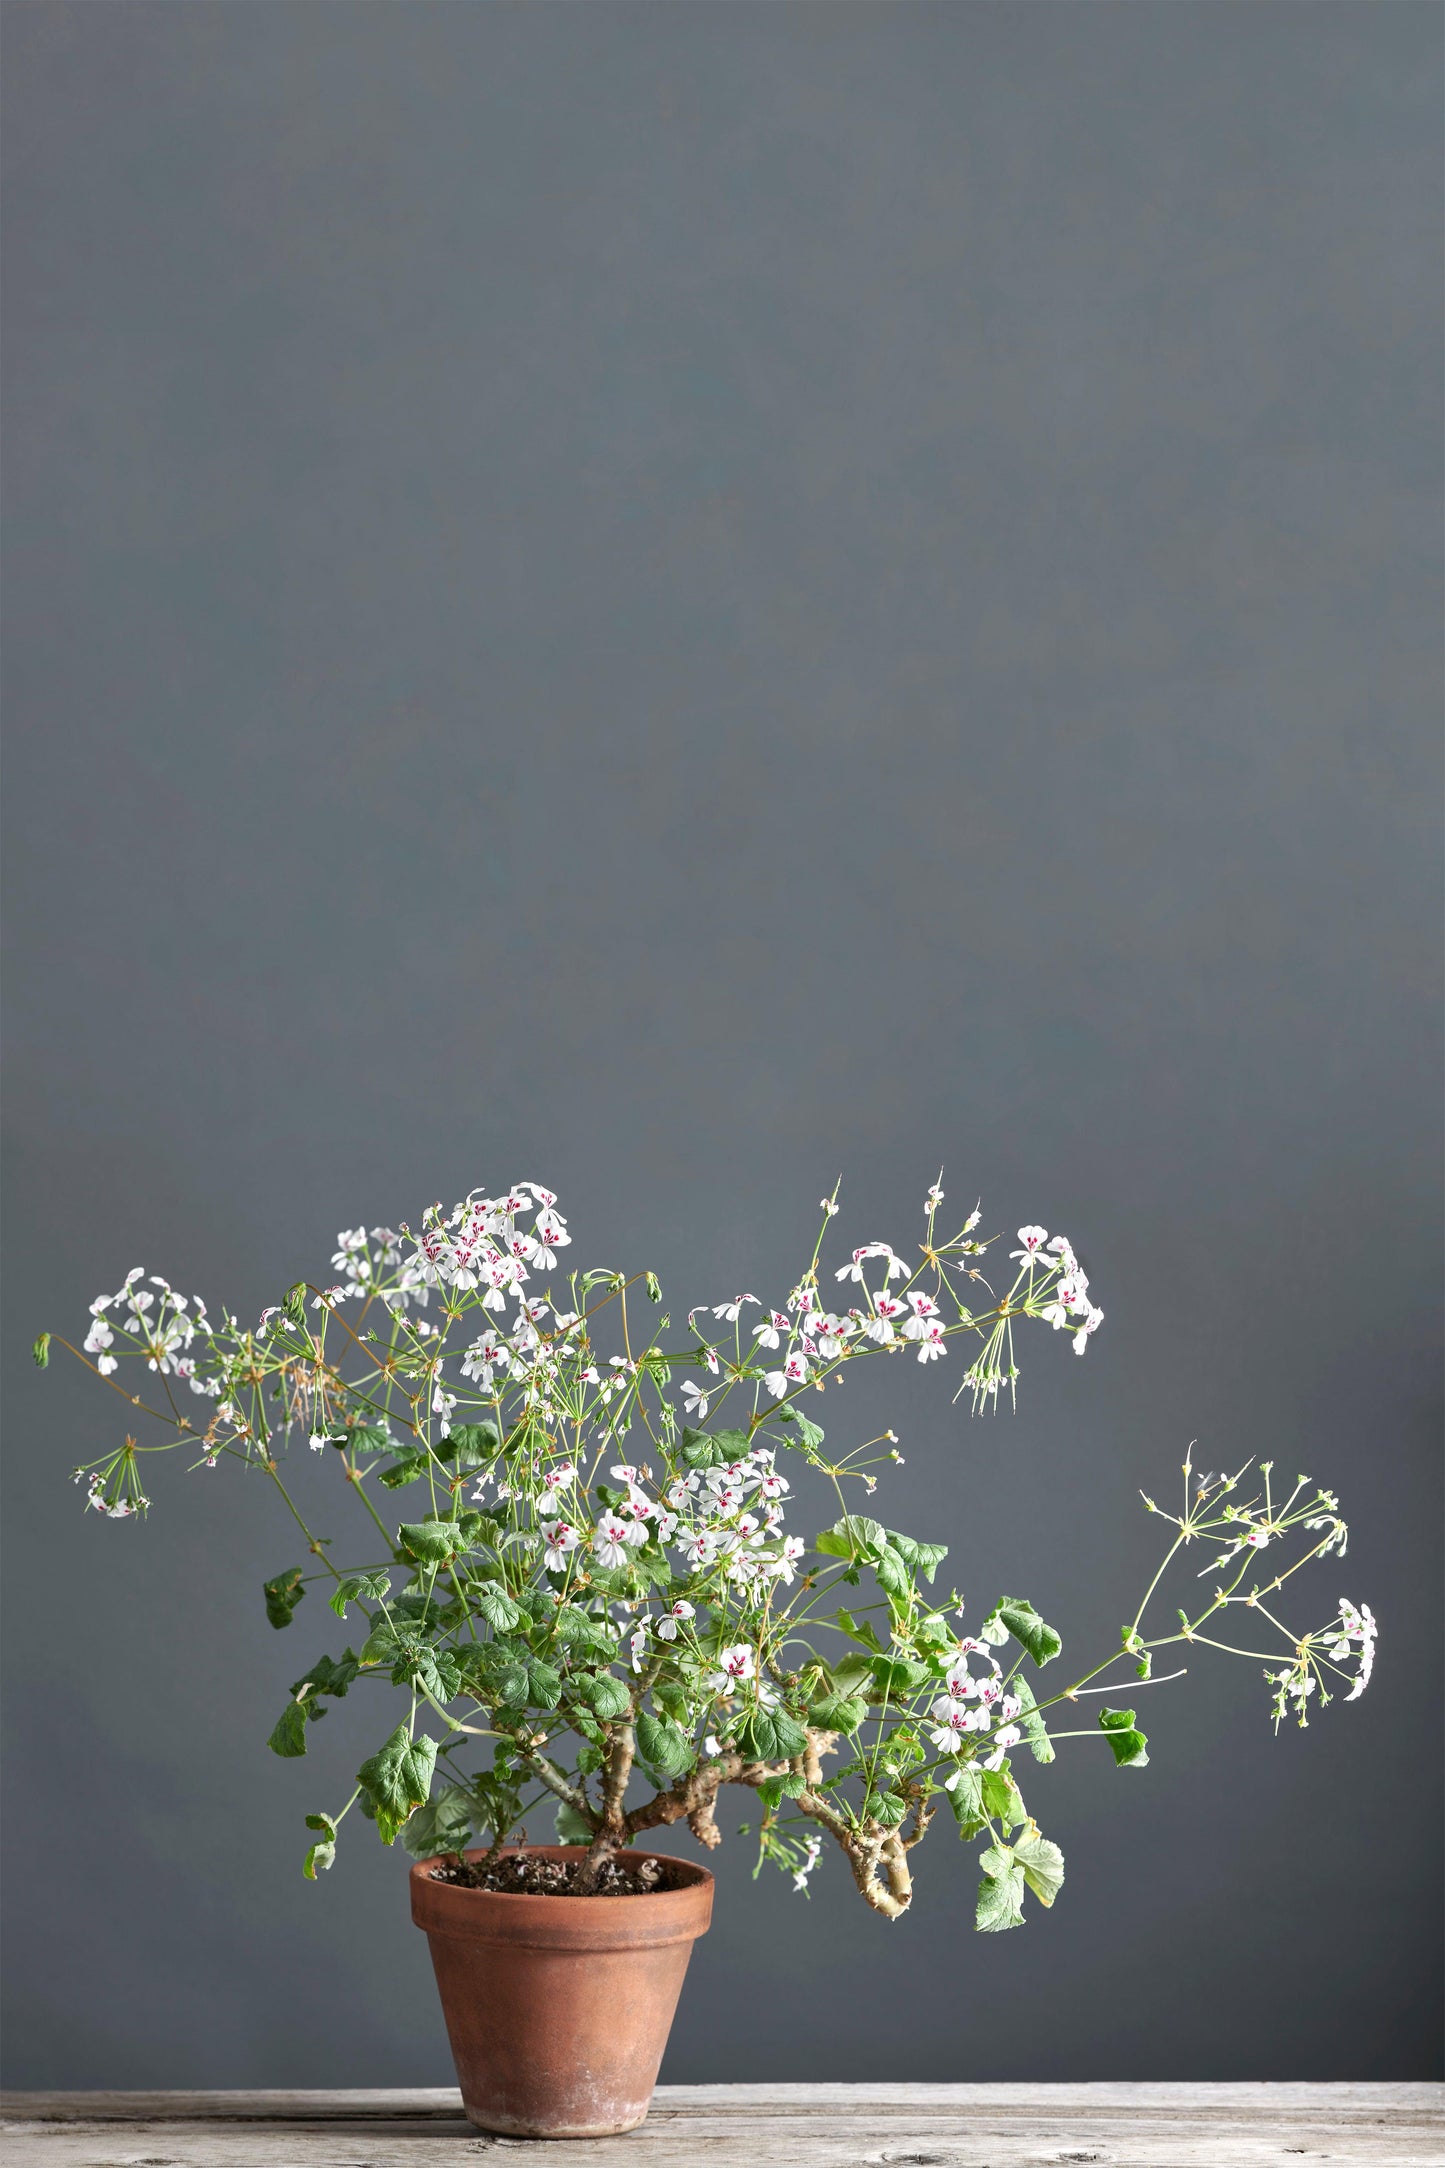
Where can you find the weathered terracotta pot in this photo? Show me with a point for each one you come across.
(558, 2008)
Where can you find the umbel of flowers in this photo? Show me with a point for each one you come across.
(595, 1597)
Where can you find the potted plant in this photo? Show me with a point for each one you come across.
(574, 1562)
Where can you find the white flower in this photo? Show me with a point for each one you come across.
(638, 1646)
(896, 1269)
(932, 1201)
(732, 1310)
(559, 1538)
(774, 1323)
(667, 1625)
(1031, 1242)
(711, 1747)
(925, 1310)
(610, 1539)
(812, 1847)
(694, 1400)
(785, 1562)
(931, 1342)
(828, 1206)
(1091, 1324)
(734, 1664)
(1002, 1741)
(318, 1440)
(555, 1479)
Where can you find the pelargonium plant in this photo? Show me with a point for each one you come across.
(595, 1591)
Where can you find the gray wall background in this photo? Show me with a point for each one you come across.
(679, 599)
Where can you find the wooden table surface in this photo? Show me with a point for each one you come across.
(754, 2126)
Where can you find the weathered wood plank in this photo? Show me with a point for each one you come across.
(759, 2126)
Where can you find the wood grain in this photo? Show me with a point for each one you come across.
(755, 2126)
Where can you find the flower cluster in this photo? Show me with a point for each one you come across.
(597, 1578)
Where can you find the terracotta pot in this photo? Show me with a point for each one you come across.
(558, 2008)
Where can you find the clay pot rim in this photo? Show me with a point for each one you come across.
(542, 1918)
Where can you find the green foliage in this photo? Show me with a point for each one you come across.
(396, 1779)
(1130, 1746)
(1036, 1731)
(605, 1696)
(374, 1587)
(322, 1853)
(810, 1436)
(41, 1352)
(288, 1738)
(443, 1824)
(468, 1620)
(1018, 1616)
(469, 1445)
(1043, 1866)
(430, 1542)
(327, 1676)
(572, 1828)
(662, 1744)
(837, 1712)
(699, 1449)
(501, 1612)
(770, 1735)
(282, 1595)
(410, 1468)
(1001, 1892)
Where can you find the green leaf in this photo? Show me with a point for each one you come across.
(495, 1605)
(966, 1798)
(699, 1450)
(289, 1737)
(430, 1543)
(885, 1807)
(41, 1352)
(408, 1469)
(1001, 1892)
(396, 1779)
(924, 1558)
(1002, 1799)
(661, 1743)
(1023, 1622)
(1041, 1746)
(855, 1536)
(859, 1630)
(770, 1735)
(897, 1678)
(837, 1712)
(605, 1696)
(774, 1790)
(572, 1828)
(470, 1444)
(1130, 1746)
(282, 1595)
(1043, 1866)
(810, 1436)
(443, 1825)
(327, 1676)
(374, 1586)
(544, 1685)
(320, 1855)
(369, 1438)
(893, 1575)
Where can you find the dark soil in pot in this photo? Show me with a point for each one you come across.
(538, 1874)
